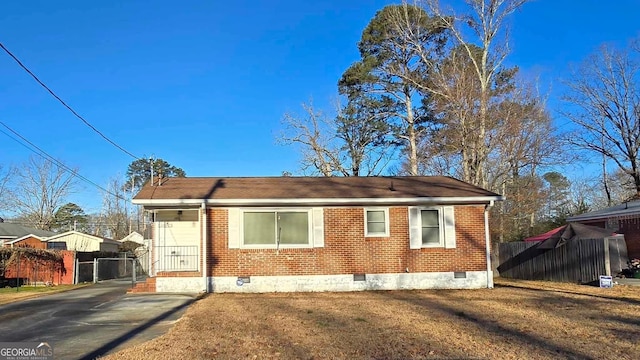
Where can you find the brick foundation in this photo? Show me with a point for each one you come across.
(147, 286)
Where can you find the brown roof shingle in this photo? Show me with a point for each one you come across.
(282, 188)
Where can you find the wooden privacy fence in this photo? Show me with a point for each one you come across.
(581, 261)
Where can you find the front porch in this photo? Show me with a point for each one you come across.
(176, 252)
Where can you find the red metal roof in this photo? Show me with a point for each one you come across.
(546, 235)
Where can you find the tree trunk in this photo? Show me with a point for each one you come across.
(605, 180)
(412, 137)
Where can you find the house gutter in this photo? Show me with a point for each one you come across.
(488, 245)
(204, 247)
(320, 201)
(603, 216)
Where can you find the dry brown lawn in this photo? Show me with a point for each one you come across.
(516, 320)
(9, 295)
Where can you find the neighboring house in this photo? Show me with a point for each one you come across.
(10, 232)
(134, 237)
(77, 241)
(32, 241)
(139, 246)
(317, 234)
(623, 219)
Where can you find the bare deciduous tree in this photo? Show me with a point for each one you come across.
(522, 142)
(37, 190)
(605, 97)
(114, 215)
(5, 176)
(316, 138)
(344, 145)
(590, 190)
(523, 139)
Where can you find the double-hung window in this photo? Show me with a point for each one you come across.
(376, 222)
(432, 226)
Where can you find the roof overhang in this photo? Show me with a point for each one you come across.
(604, 216)
(26, 237)
(163, 203)
(77, 233)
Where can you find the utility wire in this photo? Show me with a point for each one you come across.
(64, 103)
(46, 156)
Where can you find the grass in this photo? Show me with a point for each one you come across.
(9, 294)
(517, 319)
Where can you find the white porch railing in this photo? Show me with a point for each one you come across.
(177, 258)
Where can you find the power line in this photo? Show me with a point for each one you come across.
(64, 103)
(46, 156)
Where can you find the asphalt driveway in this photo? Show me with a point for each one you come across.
(92, 321)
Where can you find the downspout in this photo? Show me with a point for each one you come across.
(155, 234)
(204, 247)
(488, 244)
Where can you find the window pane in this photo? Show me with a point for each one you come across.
(429, 218)
(293, 228)
(259, 228)
(430, 235)
(375, 228)
(430, 227)
(375, 216)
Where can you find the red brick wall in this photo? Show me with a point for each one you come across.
(631, 230)
(348, 251)
(36, 274)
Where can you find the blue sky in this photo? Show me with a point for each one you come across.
(204, 84)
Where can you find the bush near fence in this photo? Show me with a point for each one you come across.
(579, 261)
(34, 273)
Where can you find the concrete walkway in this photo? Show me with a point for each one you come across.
(627, 281)
(93, 321)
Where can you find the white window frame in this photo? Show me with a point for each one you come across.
(275, 245)
(440, 226)
(386, 222)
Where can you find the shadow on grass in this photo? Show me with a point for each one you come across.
(284, 341)
(615, 298)
(487, 325)
(350, 332)
(623, 320)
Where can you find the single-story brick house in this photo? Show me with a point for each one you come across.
(267, 234)
(623, 219)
